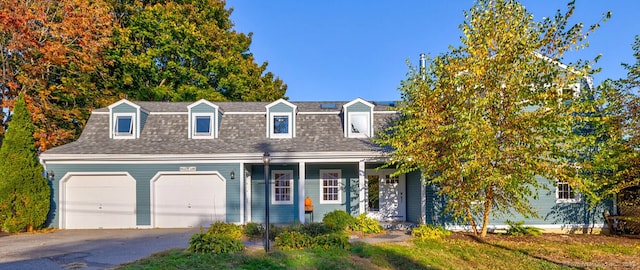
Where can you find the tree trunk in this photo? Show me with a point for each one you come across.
(485, 213)
(471, 220)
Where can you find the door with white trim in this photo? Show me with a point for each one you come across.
(386, 195)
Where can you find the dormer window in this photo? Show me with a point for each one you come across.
(281, 120)
(124, 125)
(281, 125)
(203, 126)
(359, 125)
(204, 120)
(358, 119)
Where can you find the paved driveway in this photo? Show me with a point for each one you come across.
(87, 249)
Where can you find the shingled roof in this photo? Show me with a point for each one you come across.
(242, 130)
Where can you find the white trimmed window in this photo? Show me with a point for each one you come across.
(123, 125)
(566, 194)
(282, 187)
(280, 125)
(330, 186)
(202, 126)
(359, 125)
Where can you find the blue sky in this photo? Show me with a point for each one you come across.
(340, 50)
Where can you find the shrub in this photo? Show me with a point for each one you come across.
(314, 229)
(429, 232)
(214, 243)
(226, 229)
(253, 230)
(337, 220)
(518, 228)
(366, 225)
(292, 240)
(332, 240)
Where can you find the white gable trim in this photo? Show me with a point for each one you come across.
(356, 101)
(284, 102)
(201, 102)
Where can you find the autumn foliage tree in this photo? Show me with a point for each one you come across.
(24, 191)
(51, 51)
(484, 121)
(184, 51)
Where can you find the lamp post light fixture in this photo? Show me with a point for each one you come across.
(266, 158)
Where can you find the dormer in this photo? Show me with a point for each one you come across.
(204, 120)
(126, 120)
(281, 119)
(358, 119)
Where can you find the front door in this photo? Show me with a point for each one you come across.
(386, 195)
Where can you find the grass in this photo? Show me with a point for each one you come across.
(449, 253)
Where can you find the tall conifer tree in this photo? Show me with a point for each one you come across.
(24, 191)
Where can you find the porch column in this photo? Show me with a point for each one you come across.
(242, 192)
(423, 202)
(302, 175)
(247, 197)
(362, 187)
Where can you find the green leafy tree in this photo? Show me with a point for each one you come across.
(185, 51)
(608, 149)
(485, 120)
(24, 191)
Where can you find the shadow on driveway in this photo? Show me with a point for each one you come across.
(87, 249)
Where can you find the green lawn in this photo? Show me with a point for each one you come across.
(457, 252)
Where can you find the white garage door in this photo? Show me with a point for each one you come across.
(99, 201)
(188, 200)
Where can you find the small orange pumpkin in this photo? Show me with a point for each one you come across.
(307, 201)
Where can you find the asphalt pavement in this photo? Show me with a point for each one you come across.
(87, 249)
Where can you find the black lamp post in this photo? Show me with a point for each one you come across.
(266, 158)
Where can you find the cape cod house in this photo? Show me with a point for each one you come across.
(180, 164)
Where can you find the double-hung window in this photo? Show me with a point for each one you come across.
(330, 186)
(123, 125)
(282, 187)
(202, 126)
(566, 194)
(280, 125)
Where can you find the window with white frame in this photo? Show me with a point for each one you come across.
(123, 125)
(282, 187)
(202, 126)
(566, 194)
(280, 125)
(330, 186)
(359, 125)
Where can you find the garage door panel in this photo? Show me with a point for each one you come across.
(99, 201)
(188, 200)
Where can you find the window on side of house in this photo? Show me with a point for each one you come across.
(202, 126)
(330, 186)
(123, 127)
(282, 187)
(359, 125)
(566, 194)
(281, 125)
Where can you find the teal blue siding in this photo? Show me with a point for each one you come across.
(143, 173)
(549, 212)
(281, 107)
(414, 196)
(143, 119)
(203, 108)
(278, 213)
(219, 120)
(358, 107)
(124, 108)
(349, 193)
